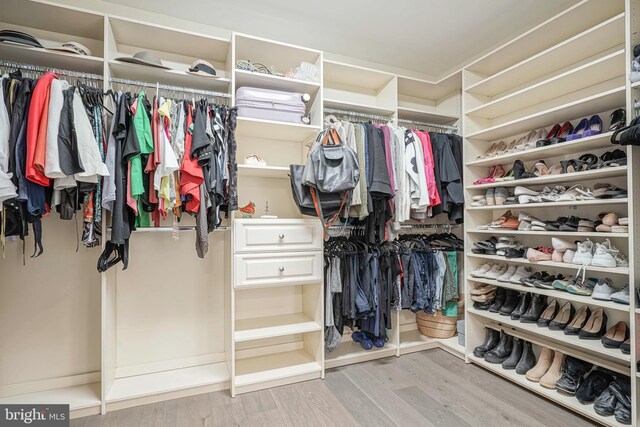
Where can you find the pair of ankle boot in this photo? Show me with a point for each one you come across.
(512, 353)
(523, 307)
(548, 371)
(522, 357)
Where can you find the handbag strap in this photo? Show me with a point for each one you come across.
(326, 225)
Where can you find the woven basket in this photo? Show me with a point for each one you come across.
(436, 326)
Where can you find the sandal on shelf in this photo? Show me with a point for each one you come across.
(564, 131)
(605, 191)
(494, 172)
(569, 166)
(509, 176)
(587, 161)
(547, 140)
(618, 119)
(578, 132)
(612, 159)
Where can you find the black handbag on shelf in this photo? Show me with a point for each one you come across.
(330, 202)
(629, 135)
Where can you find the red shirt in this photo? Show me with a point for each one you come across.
(191, 176)
(37, 130)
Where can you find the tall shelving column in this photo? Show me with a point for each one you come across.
(632, 38)
(50, 313)
(165, 319)
(561, 70)
(277, 298)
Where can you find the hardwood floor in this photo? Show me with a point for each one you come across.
(428, 388)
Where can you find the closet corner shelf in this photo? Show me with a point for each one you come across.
(143, 73)
(551, 233)
(594, 347)
(79, 398)
(603, 101)
(412, 341)
(420, 115)
(349, 352)
(554, 293)
(269, 81)
(616, 270)
(563, 149)
(568, 52)
(565, 400)
(280, 131)
(168, 381)
(450, 345)
(274, 326)
(51, 58)
(279, 367)
(277, 172)
(576, 203)
(358, 107)
(582, 176)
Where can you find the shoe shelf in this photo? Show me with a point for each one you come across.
(412, 341)
(495, 258)
(83, 400)
(554, 293)
(274, 326)
(563, 55)
(564, 349)
(451, 345)
(635, 85)
(567, 148)
(565, 400)
(277, 172)
(603, 173)
(547, 34)
(577, 203)
(551, 233)
(601, 101)
(594, 347)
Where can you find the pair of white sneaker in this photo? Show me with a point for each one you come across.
(599, 255)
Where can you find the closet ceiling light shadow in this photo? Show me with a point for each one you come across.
(431, 37)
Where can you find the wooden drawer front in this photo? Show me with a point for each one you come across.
(255, 270)
(300, 236)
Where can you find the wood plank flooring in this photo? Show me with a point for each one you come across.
(429, 388)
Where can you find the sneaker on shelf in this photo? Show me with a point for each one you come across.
(556, 256)
(522, 272)
(539, 254)
(506, 276)
(561, 245)
(481, 270)
(603, 290)
(496, 271)
(524, 226)
(584, 253)
(524, 216)
(607, 255)
(622, 296)
(567, 257)
(554, 194)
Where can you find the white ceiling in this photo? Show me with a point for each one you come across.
(432, 37)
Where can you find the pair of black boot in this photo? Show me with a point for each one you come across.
(512, 353)
(519, 306)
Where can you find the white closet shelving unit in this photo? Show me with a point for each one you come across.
(563, 69)
(277, 323)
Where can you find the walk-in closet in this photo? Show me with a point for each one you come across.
(268, 213)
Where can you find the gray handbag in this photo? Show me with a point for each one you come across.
(332, 167)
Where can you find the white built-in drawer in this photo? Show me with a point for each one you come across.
(256, 235)
(256, 270)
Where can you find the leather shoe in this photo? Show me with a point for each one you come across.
(548, 314)
(523, 306)
(502, 351)
(563, 317)
(483, 305)
(491, 339)
(514, 357)
(622, 413)
(535, 309)
(510, 302)
(605, 404)
(593, 386)
(572, 373)
(527, 359)
(501, 295)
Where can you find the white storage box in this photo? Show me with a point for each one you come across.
(266, 104)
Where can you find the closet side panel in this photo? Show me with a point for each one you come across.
(49, 308)
(170, 304)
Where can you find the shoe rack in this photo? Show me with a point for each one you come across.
(561, 70)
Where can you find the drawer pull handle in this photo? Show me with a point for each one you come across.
(281, 236)
(281, 269)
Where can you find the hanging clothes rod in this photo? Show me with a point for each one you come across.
(402, 226)
(170, 229)
(452, 128)
(42, 69)
(356, 114)
(171, 88)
